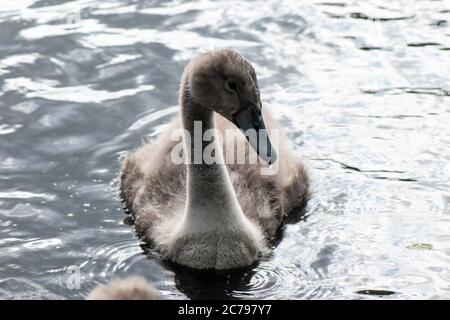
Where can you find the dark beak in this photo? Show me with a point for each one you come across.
(249, 119)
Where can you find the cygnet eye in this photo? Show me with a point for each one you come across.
(232, 85)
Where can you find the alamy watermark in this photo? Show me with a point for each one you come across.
(211, 146)
(73, 280)
(74, 276)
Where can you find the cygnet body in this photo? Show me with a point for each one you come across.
(214, 215)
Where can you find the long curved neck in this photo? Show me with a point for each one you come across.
(210, 195)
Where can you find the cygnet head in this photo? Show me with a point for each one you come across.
(226, 83)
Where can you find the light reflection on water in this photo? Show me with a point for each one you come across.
(362, 87)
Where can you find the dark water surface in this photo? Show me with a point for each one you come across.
(361, 86)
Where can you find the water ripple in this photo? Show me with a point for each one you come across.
(81, 94)
(362, 88)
